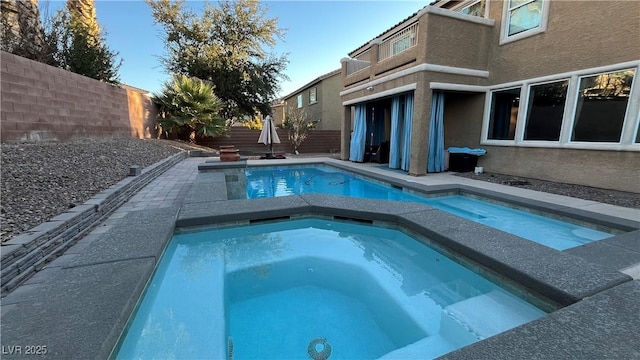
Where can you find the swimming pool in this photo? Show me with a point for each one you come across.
(554, 233)
(308, 286)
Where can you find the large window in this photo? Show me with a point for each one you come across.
(504, 114)
(601, 106)
(545, 111)
(586, 109)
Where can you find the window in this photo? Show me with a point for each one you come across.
(475, 9)
(299, 101)
(523, 18)
(313, 95)
(601, 106)
(504, 114)
(545, 111)
(400, 45)
(523, 15)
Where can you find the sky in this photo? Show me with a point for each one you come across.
(318, 35)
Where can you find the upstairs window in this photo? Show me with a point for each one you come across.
(524, 15)
(475, 9)
(313, 95)
(299, 101)
(523, 18)
(400, 45)
(602, 106)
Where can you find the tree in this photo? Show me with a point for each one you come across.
(253, 123)
(297, 125)
(79, 44)
(227, 45)
(189, 107)
(22, 31)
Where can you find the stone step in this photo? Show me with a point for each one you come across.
(482, 316)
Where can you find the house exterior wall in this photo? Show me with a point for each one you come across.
(326, 109)
(329, 98)
(578, 37)
(42, 102)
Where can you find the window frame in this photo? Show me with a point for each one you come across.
(300, 101)
(488, 103)
(314, 99)
(563, 122)
(625, 120)
(504, 31)
(630, 127)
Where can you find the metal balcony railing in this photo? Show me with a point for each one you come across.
(359, 62)
(398, 42)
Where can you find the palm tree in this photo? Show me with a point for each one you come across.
(189, 107)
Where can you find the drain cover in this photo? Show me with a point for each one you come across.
(319, 349)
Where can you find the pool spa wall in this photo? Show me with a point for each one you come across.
(82, 312)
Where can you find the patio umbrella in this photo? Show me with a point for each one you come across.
(269, 136)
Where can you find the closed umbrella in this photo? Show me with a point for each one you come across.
(268, 135)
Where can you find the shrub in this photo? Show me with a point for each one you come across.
(189, 107)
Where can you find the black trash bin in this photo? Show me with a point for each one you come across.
(460, 162)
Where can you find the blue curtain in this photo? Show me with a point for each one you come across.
(406, 142)
(356, 152)
(375, 125)
(435, 158)
(396, 128)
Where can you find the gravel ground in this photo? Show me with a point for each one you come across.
(619, 198)
(42, 180)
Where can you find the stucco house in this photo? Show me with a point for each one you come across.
(320, 99)
(548, 88)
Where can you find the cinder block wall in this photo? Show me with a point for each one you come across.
(246, 140)
(42, 102)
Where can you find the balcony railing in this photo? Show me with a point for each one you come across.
(398, 42)
(360, 62)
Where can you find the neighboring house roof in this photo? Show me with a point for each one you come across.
(313, 82)
(432, 3)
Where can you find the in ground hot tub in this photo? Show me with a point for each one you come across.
(314, 288)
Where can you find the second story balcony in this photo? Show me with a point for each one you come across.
(433, 36)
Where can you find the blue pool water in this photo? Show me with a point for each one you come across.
(560, 235)
(269, 291)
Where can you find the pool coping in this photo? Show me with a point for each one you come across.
(82, 312)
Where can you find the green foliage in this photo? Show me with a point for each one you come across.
(227, 45)
(297, 124)
(253, 123)
(189, 107)
(78, 50)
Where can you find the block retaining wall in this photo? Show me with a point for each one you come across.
(27, 253)
(42, 102)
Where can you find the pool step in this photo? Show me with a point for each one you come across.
(426, 348)
(485, 315)
(445, 294)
